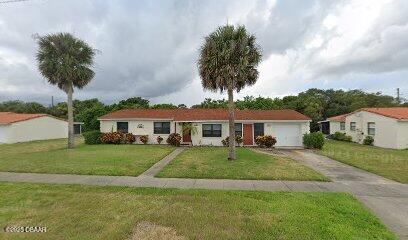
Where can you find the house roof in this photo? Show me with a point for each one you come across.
(400, 113)
(339, 118)
(10, 117)
(204, 114)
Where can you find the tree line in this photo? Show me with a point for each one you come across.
(315, 103)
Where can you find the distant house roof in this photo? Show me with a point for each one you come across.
(203, 114)
(339, 118)
(10, 117)
(400, 113)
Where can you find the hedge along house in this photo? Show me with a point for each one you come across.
(21, 127)
(210, 126)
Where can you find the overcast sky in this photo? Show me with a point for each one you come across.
(150, 48)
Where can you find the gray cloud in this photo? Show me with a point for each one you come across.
(150, 48)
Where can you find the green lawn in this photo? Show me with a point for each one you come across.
(52, 156)
(89, 212)
(389, 163)
(211, 162)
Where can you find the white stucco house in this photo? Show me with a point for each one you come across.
(211, 125)
(21, 127)
(333, 124)
(388, 126)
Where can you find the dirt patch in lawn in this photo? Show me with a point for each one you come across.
(151, 231)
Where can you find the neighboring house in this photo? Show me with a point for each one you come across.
(333, 124)
(211, 125)
(21, 127)
(78, 128)
(388, 126)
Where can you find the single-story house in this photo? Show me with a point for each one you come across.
(211, 125)
(22, 127)
(333, 124)
(388, 126)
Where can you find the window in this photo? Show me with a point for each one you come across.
(211, 130)
(122, 127)
(371, 128)
(161, 128)
(342, 126)
(352, 126)
(258, 129)
(238, 129)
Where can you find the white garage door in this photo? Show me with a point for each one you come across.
(287, 134)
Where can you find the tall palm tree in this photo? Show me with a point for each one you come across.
(66, 61)
(228, 62)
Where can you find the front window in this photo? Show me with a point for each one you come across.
(258, 129)
(238, 129)
(161, 127)
(342, 126)
(371, 128)
(122, 127)
(352, 126)
(211, 130)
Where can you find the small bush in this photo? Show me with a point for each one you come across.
(238, 141)
(339, 136)
(144, 139)
(313, 140)
(159, 140)
(92, 137)
(174, 139)
(130, 138)
(265, 141)
(369, 140)
(112, 138)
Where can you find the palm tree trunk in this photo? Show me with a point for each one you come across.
(231, 110)
(71, 139)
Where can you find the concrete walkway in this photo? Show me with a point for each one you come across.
(386, 198)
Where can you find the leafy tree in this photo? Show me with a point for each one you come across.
(228, 62)
(164, 106)
(66, 61)
(210, 103)
(90, 117)
(133, 102)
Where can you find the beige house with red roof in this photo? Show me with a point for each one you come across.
(388, 126)
(211, 125)
(21, 127)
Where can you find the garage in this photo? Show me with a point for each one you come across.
(22, 127)
(287, 134)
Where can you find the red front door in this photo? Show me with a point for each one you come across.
(187, 137)
(248, 135)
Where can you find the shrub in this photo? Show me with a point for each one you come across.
(265, 141)
(369, 140)
(130, 138)
(238, 140)
(144, 139)
(159, 140)
(313, 140)
(174, 139)
(341, 137)
(112, 138)
(92, 137)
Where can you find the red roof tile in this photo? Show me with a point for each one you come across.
(339, 118)
(10, 117)
(400, 113)
(204, 114)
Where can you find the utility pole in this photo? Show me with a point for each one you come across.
(52, 101)
(398, 96)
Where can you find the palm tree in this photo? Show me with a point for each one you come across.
(228, 61)
(66, 61)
